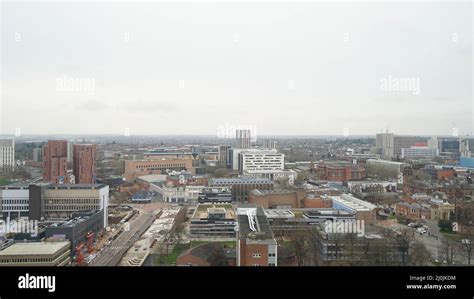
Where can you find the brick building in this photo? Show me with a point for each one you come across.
(256, 245)
(55, 161)
(277, 199)
(340, 171)
(84, 163)
(136, 168)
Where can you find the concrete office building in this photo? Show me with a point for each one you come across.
(7, 154)
(256, 245)
(260, 160)
(85, 163)
(76, 229)
(415, 152)
(38, 154)
(213, 220)
(61, 201)
(269, 144)
(215, 195)
(50, 254)
(243, 138)
(55, 161)
(224, 158)
(242, 186)
(14, 201)
(389, 146)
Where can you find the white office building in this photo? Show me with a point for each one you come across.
(7, 154)
(14, 201)
(261, 160)
(419, 152)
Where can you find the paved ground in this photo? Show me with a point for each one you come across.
(111, 255)
(433, 241)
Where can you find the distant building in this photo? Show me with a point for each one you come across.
(136, 168)
(243, 138)
(85, 163)
(55, 161)
(7, 154)
(385, 169)
(277, 199)
(340, 171)
(38, 154)
(269, 144)
(242, 186)
(224, 158)
(415, 152)
(389, 146)
(449, 146)
(215, 195)
(260, 160)
(54, 253)
(256, 245)
(371, 186)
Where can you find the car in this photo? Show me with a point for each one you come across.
(421, 230)
(411, 224)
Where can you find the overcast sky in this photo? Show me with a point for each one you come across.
(306, 68)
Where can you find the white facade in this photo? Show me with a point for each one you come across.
(7, 154)
(419, 152)
(14, 201)
(181, 194)
(261, 160)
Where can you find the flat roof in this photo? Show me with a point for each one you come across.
(202, 210)
(353, 202)
(262, 232)
(34, 248)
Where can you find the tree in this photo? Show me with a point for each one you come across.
(449, 250)
(402, 242)
(467, 245)
(419, 254)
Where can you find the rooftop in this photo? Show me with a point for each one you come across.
(353, 203)
(255, 229)
(35, 248)
(202, 210)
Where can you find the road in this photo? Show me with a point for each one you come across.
(433, 244)
(111, 255)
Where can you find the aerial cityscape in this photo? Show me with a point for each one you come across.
(180, 144)
(379, 200)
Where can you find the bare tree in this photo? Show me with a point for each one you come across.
(403, 241)
(467, 245)
(449, 250)
(418, 254)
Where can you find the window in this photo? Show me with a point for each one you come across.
(271, 255)
(257, 255)
(271, 265)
